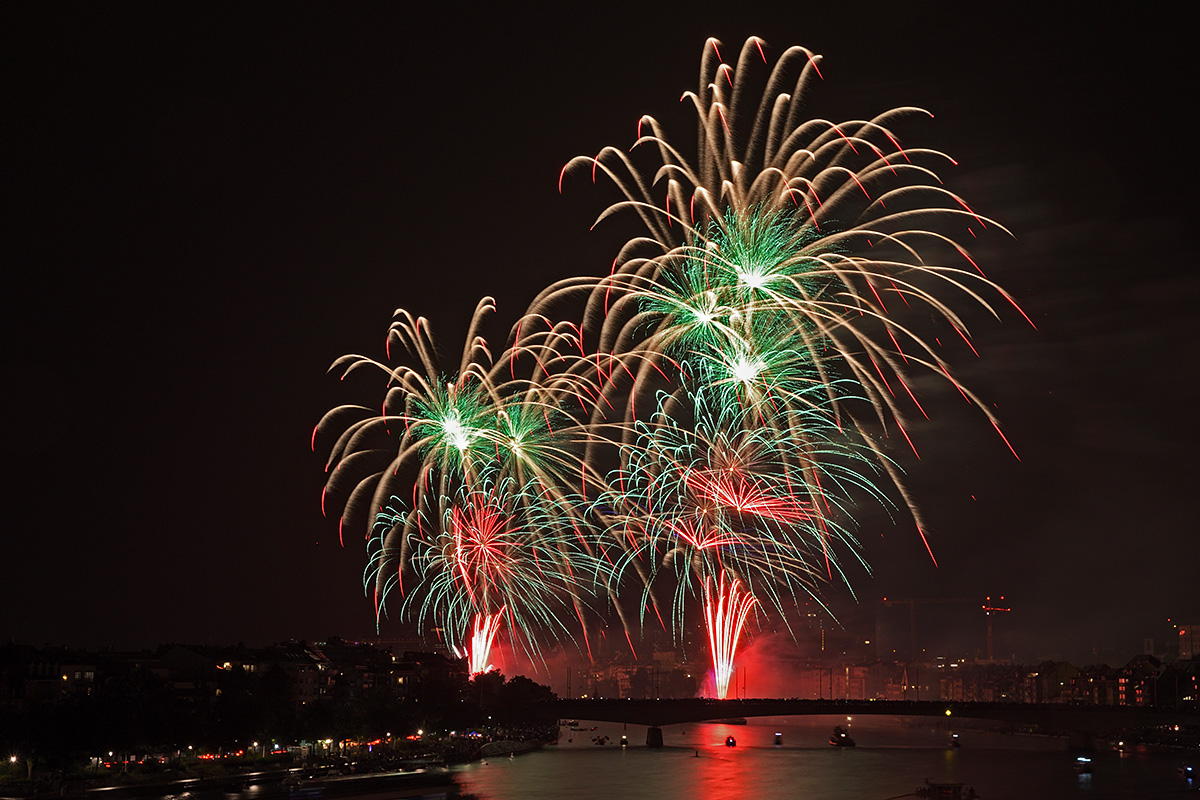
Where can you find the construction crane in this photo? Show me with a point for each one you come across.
(989, 609)
(912, 603)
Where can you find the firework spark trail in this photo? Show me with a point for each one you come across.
(479, 653)
(480, 548)
(725, 616)
(742, 493)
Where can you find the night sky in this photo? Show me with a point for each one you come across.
(207, 206)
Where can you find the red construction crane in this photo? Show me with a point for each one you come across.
(912, 604)
(989, 609)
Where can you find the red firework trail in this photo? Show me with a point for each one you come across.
(738, 491)
(479, 652)
(725, 615)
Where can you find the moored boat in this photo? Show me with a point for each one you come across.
(840, 738)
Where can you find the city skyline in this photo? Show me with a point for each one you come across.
(215, 208)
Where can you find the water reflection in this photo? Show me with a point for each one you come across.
(789, 758)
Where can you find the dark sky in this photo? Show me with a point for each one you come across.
(208, 205)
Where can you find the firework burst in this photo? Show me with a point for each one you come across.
(786, 254)
(487, 554)
(715, 491)
(721, 408)
(472, 483)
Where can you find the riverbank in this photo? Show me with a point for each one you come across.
(293, 783)
(391, 765)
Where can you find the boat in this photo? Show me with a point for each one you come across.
(840, 738)
(730, 741)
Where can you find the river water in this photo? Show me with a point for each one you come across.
(892, 758)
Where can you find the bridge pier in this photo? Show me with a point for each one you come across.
(654, 736)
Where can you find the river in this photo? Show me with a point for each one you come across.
(892, 758)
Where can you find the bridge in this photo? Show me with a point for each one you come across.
(1055, 718)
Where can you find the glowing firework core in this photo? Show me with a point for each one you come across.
(753, 279)
(725, 619)
(745, 369)
(458, 435)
